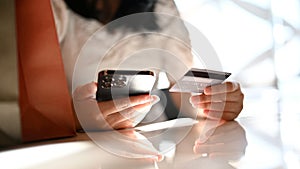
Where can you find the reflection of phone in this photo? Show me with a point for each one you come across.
(114, 84)
(195, 80)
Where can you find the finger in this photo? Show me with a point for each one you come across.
(234, 96)
(135, 111)
(217, 148)
(222, 88)
(220, 146)
(207, 148)
(117, 121)
(126, 118)
(127, 123)
(238, 135)
(144, 147)
(229, 115)
(123, 125)
(86, 91)
(228, 155)
(228, 133)
(221, 106)
(228, 127)
(112, 106)
(141, 147)
(220, 114)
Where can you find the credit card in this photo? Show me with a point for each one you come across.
(196, 80)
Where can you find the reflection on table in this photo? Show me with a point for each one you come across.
(204, 144)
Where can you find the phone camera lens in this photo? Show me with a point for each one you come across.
(120, 83)
(106, 85)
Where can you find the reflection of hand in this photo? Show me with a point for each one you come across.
(227, 142)
(127, 143)
(220, 101)
(120, 113)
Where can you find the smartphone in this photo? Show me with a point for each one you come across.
(114, 84)
(195, 80)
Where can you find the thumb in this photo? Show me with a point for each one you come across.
(86, 91)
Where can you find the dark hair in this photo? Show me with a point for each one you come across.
(87, 9)
(129, 7)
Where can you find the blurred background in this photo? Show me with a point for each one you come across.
(8, 54)
(259, 42)
(256, 40)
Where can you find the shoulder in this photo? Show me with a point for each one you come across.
(61, 18)
(69, 23)
(166, 6)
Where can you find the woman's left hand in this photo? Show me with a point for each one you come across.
(220, 101)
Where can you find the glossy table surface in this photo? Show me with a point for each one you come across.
(265, 136)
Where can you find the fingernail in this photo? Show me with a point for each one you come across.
(235, 86)
(146, 99)
(202, 139)
(206, 112)
(207, 90)
(193, 105)
(191, 100)
(154, 99)
(194, 101)
(195, 149)
(160, 157)
(155, 158)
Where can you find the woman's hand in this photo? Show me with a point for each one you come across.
(116, 114)
(127, 112)
(220, 101)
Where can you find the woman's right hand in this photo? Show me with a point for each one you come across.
(116, 114)
(127, 112)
